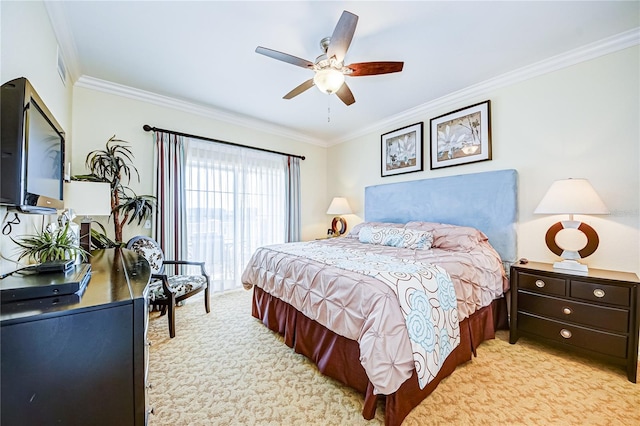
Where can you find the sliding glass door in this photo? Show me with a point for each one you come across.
(235, 203)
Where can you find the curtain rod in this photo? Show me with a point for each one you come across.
(148, 128)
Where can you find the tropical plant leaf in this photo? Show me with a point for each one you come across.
(99, 239)
(114, 164)
(46, 245)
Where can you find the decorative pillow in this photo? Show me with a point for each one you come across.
(395, 237)
(354, 233)
(450, 237)
(380, 235)
(417, 239)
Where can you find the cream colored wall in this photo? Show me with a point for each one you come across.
(98, 115)
(581, 121)
(29, 49)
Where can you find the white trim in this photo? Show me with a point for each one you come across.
(590, 51)
(192, 108)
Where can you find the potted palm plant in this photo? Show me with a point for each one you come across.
(114, 165)
(50, 244)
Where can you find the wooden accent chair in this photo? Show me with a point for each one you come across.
(166, 290)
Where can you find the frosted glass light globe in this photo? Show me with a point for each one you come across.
(328, 80)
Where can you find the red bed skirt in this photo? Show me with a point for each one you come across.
(339, 357)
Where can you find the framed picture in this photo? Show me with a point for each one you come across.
(402, 150)
(461, 137)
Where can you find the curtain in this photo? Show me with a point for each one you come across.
(293, 226)
(170, 225)
(236, 201)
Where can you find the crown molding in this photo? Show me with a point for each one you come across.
(70, 54)
(585, 53)
(192, 108)
(590, 51)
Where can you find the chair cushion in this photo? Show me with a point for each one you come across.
(180, 284)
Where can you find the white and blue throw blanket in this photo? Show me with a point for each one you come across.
(425, 292)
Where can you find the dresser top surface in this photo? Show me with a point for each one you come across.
(533, 267)
(117, 276)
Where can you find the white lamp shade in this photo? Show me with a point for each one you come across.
(571, 196)
(339, 205)
(88, 198)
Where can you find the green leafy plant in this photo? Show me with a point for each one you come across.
(114, 165)
(99, 239)
(48, 245)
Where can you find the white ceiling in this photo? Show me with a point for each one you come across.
(203, 52)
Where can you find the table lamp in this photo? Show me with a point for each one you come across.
(87, 199)
(338, 206)
(571, 196)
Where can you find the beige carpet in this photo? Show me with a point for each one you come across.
(226, 368)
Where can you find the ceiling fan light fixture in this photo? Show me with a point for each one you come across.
(328, 80)
(329, 68)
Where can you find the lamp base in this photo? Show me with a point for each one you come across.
(589, 233)
(337, 231)
(571, 266)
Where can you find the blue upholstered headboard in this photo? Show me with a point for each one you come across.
(487, 201)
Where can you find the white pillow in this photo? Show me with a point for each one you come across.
(354, 233)
(395, 237)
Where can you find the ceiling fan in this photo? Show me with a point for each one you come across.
(329, 67)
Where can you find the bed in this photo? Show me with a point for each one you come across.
(349, 304)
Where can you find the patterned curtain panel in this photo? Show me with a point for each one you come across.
(170, 228)
(293, 199)
(236, 201)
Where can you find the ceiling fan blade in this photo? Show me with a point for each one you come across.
(342, 35)
(301, 88)
(285, 57)
(345, 95)
(374, 68)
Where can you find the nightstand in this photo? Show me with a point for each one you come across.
(595, 314)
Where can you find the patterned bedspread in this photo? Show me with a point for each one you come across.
(373, 311)
(425, 293)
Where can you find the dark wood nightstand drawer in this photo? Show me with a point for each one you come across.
(601, 317)
(542, 284)
(602, 293)
(596, 313)
(597, 341)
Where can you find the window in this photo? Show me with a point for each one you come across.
(236, 202)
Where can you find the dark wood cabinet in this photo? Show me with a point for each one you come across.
(595, 314)
(79, 360)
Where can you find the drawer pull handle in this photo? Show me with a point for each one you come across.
(540, 283)
(565, 333)
(598, 292)
(566, 310)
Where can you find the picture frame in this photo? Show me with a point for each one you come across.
(401, 150)
(462, 136)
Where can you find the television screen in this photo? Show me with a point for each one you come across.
(32, 151)
(44, 156)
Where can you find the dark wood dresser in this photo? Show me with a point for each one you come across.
(595, 314)
(79, 360)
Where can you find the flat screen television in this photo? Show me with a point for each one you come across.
(32, 148)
